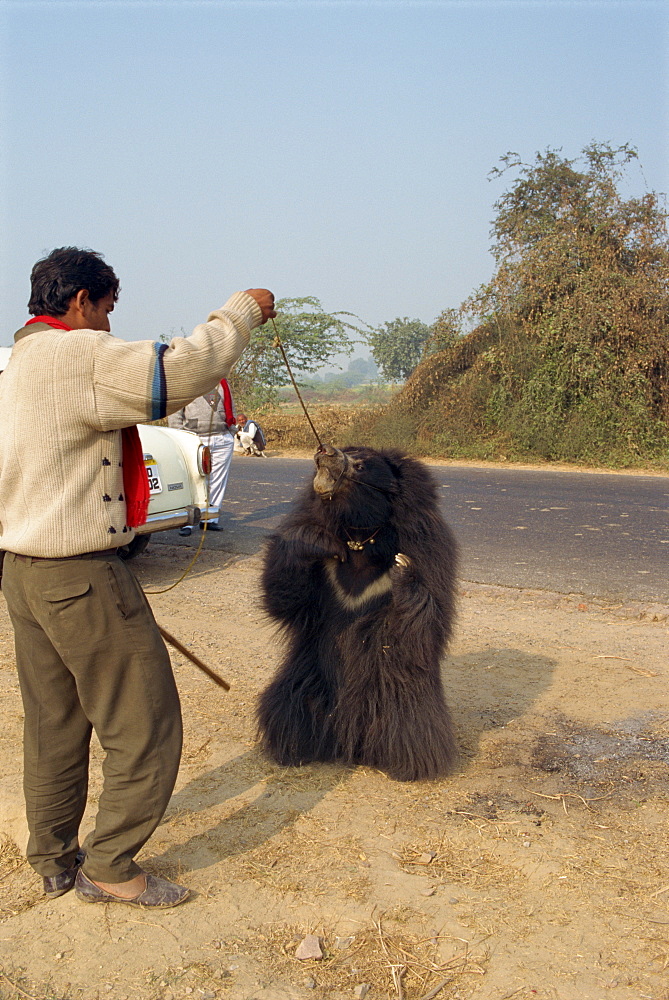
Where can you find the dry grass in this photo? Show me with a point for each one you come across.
(291, 430)
(383, 955)
(616, 851)
(309, 861)
(20, 888)
(15, 985)
(458, 864)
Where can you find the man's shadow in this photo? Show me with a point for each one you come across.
(283, 795)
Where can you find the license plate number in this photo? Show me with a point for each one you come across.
(155, 486)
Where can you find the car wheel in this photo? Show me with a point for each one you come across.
(135, 547)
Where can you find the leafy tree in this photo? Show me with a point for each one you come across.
(569, 359)
(562, 234)
(358, 370)
(311, 338)
(582, 280)
(363, 368)
(398, 346)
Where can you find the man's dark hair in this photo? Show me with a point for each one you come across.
(58, 277)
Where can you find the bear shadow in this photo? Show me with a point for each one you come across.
(489, 688)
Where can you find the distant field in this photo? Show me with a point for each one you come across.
(367, 394)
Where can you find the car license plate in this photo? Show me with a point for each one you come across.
(155, 486)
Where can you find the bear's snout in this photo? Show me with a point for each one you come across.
(331, 463)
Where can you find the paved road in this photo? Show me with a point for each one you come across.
(601, 535)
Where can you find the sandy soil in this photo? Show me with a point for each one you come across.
(539, 870)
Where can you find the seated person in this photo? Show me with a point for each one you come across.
(249, 438)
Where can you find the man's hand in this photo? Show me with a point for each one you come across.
(265, 300)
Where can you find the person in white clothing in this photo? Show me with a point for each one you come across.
(212, 418)
(249, 438)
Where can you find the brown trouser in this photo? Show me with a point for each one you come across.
(89, 656)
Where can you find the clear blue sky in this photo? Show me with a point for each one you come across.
(335, 149)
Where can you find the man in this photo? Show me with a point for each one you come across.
(72, 489)
(212, 418)
(249, 437)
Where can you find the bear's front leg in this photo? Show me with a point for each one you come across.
(292, 573)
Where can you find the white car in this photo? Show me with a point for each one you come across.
(177, 464)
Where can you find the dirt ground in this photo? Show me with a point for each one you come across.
(540, 869)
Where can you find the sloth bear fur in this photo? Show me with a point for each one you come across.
(360, 577)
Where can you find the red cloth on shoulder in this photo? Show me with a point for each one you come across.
(50, 320)
(227, 403)
(135, 478)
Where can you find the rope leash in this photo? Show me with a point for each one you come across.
(277, 343)
(360, 482)
(152, 593)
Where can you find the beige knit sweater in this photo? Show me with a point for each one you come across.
(64, 397)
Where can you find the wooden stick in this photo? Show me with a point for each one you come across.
(194, 659)
(439, 987)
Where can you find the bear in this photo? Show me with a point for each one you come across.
(360, 578)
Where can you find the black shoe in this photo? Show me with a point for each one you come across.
(185, 531)
(210, 526)
(58, 885)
